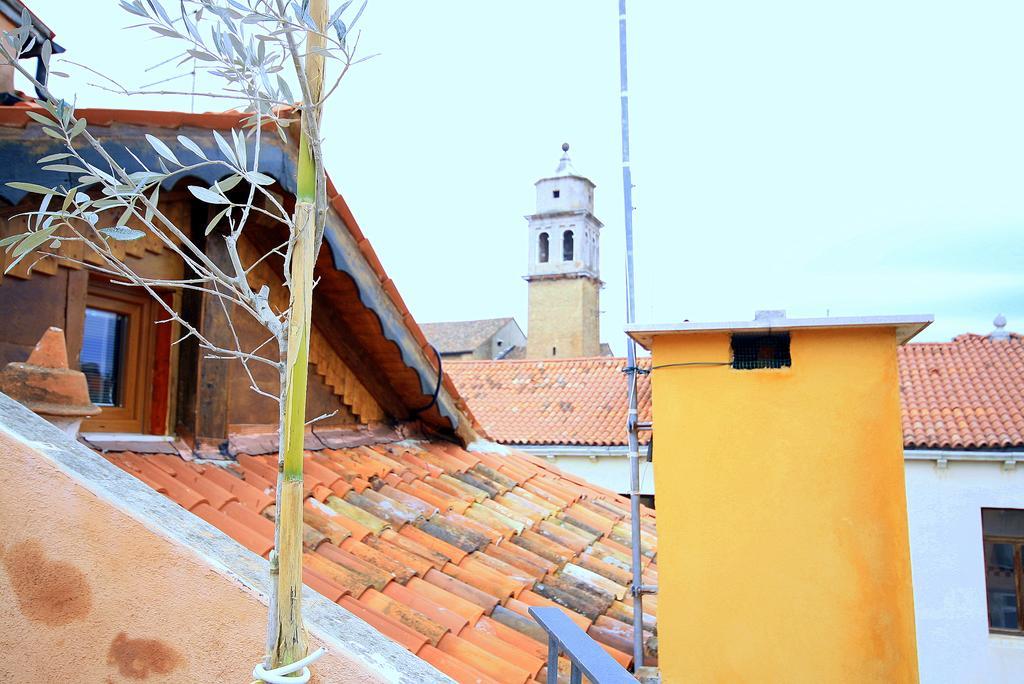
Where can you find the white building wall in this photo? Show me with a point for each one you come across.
(944, 512)
(607, 469)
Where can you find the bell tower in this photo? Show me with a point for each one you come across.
(564, 267)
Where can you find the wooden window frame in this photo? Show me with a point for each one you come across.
(132, 416)
(1018, 574)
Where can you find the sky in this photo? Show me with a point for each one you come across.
(822, 158)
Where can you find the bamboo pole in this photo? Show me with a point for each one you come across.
(289, 644)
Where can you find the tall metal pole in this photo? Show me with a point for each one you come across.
(637, 588)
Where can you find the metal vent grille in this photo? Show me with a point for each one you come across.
(760, 351)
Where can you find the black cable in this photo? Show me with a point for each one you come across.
(647, 371)
(437, 388)
(693, 363)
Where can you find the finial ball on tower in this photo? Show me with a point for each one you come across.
(565, 147)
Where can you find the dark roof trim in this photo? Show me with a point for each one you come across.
(275, 161)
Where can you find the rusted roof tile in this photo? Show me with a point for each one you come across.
(455, 490)
(412, 640)
(527, 644)
(464, 607)
(480, 482)
(580, 529)
(588, 519)
(624, 613)
(461, 589)
(416, 563)
(502, 525)
(383, 507)
(403, 614)
(520, 558)
(443, 461)
(470, 458)
(371, 574)
(600, 582)
(382, 456)
(504, 569)
(466, 487)
(507, 512)
(365, 518)
(492, 533)
(535, 543)
(354, 529)
(573, 597)
(486, 579)
(522, 506)
(412, 460)
(350, 581)
(441, 614)
(467, 540)
(453, 667)
(436, 558)
(529, 598)
(321, 523)
(528, 627)
(543, 504)
(311, 537)
(433, 497)
(322, 585)
(429, 540)
(563, 536)
(488, 663)
(412, 501)
(600, 598)
(402, 572)
(615, 574)
(615, 643)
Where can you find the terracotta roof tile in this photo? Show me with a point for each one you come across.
(442, 550)
(963, 394)
(453, 667)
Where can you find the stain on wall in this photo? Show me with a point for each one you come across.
(89, 594)
(52, 592)
(138, 658)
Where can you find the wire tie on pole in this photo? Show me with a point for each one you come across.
(283, 674)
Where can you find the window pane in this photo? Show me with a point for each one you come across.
(1001, 585)
(102, 358)
(1003, 522)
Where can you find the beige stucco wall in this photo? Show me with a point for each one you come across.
(565, 316)
(88, 594)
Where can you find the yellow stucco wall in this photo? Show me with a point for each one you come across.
(782, 519)
(565, 316)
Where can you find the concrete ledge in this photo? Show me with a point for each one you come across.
(336, 627)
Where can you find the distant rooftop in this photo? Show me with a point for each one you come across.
(454, 337)
(907, 326)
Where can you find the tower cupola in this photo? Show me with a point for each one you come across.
(564, 266)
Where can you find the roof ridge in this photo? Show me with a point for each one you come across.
(552, 361)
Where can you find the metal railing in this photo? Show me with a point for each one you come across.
(585, 654)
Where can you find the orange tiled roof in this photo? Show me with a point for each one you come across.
(438, 548)
(964, 394)
(550, 401)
